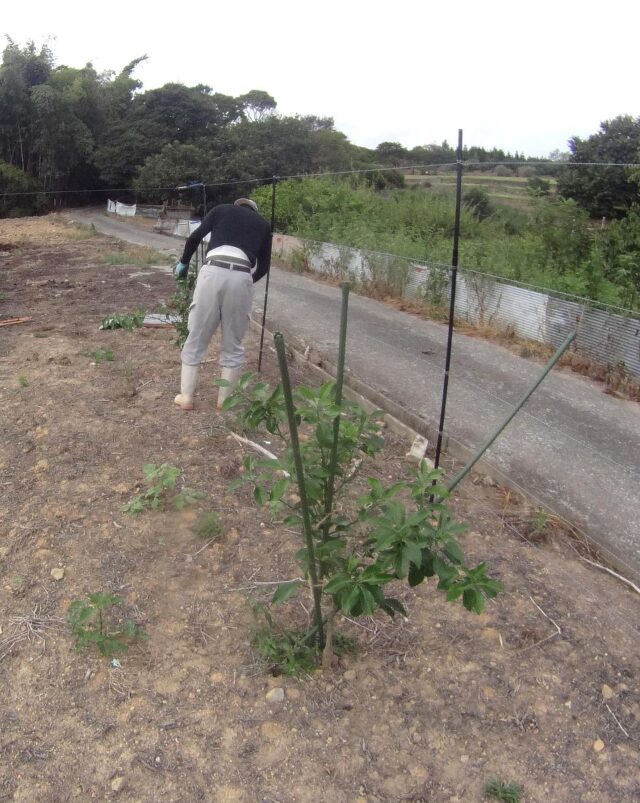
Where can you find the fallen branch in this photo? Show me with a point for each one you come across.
(254, 445)
(257, 583)
(615, 574)
(258, 448)
(13, 321)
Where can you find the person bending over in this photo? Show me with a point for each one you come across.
(238, 255)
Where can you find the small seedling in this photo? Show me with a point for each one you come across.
(101, 355)
(538, 524)
(128, 322)
(89, 625)
(3, 296)
(22, 381)
(161, 480)
(208, 525)
(507, 792)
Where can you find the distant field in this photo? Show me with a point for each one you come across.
(505, 190)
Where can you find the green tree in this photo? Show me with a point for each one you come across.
(21, 70)
(257, 104)
(604, 191)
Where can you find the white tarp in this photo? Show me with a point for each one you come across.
(125, 210)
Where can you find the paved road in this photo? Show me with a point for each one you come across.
(573, 447)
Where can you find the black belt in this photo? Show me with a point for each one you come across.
(228, 265)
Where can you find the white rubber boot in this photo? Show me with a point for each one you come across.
(231, 375)
(188, 382)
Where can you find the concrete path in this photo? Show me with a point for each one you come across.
(572, 447)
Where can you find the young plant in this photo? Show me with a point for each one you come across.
(208, 525)
(90, 624)
(161, 480)
(127, 321)
(507, 792)
(22, 380)
(101, 355)
(351, 549)
(179, 305)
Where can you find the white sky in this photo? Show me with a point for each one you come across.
(522, 76)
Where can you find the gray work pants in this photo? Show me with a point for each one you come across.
(221, 297)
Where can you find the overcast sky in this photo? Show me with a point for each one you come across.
(522, 76)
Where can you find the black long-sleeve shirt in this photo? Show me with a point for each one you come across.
(239, 226)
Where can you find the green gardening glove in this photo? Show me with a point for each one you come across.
(180, 271)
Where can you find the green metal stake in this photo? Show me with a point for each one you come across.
(304, 503)
(561, 350)
(333, 459)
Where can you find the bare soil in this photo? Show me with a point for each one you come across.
(541, 690)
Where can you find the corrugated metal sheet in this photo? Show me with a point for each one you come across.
(605, 334)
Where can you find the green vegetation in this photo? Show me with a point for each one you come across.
(137, 256)
(101, 355)
(208, 525)
(126, 321)
(287, 651)
(551, 245)
(90, 624)
(351, 548)
(506, 792)
(22, 381)
(161, 480)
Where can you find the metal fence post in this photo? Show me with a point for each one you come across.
(452, 298)
(266, 289)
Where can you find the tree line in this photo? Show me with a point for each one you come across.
(73, 129)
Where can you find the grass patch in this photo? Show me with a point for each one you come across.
(101, 355)
(208, 525)
(507, 792)
(289, 651)
(80, 231)
(141, 257)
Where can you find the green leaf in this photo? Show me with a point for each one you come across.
(454, 552)
(393, 606)
(351, 600)
(337, 583)
(278, 490)
(473, 600)
(284, 591)
(104, 600)
(324, 435)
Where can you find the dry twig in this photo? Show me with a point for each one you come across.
(615, 574)
(34, 627)
(617, 722)
(552, 635)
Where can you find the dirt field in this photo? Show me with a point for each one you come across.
(541, 690)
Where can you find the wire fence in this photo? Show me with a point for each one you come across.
(608, 336)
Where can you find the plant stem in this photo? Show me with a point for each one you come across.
(327, 653)
(304, 503)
